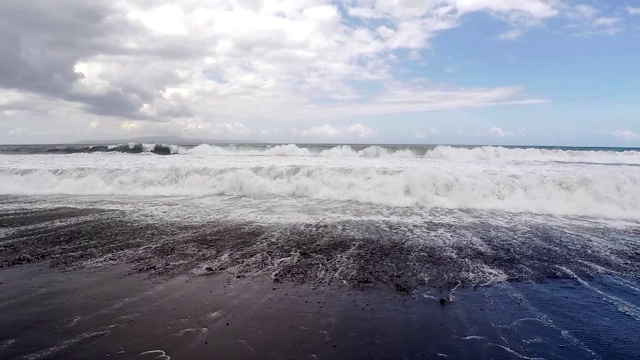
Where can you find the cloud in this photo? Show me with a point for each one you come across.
(585, 11)
(127, 126)
(360, 130)
(41, 45)
(626, 135)
(431, 132)
(588, 21)
(210, 66)
(510, 34)
(500, 132)
(145, 60)
(398, 98)
(330, 132)
(632, 10)
(534, 9)
(605, 21)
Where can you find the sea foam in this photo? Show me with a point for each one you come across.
(582, 190)
(441, 152)
(483, 153)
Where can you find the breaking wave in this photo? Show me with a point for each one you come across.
(589, 192)
(481, 153)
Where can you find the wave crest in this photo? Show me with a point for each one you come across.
(582, 193)
(441, 152)
(483, 153)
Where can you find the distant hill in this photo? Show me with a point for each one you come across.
(169, 140)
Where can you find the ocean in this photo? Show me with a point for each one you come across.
(546, 240)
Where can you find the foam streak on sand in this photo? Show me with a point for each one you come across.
(623, 306)
(442, 254)
(88, 336)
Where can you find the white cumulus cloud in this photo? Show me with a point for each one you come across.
(240, 68)
(327, 131)
(626, 135)
(588, 20)
(510, 34)
(632, 10)
(500, 132)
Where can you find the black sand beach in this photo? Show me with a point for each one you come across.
(88, 283)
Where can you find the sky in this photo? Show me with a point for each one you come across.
(504, 72)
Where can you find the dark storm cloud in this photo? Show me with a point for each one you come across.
(37, 68)
(42, 41)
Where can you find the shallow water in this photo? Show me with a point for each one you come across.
(110, 313)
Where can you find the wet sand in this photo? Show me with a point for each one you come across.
(83, 283)
(112, 313)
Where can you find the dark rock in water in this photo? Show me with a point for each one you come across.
(209, 269)
(443, 301)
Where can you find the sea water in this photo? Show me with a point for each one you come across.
(502, 219)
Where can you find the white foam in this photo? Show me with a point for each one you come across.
(484, 153)
(598, 194)
(368, 152)
(621, 305)
(279, 150)
(497, 153)
(398, 179)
